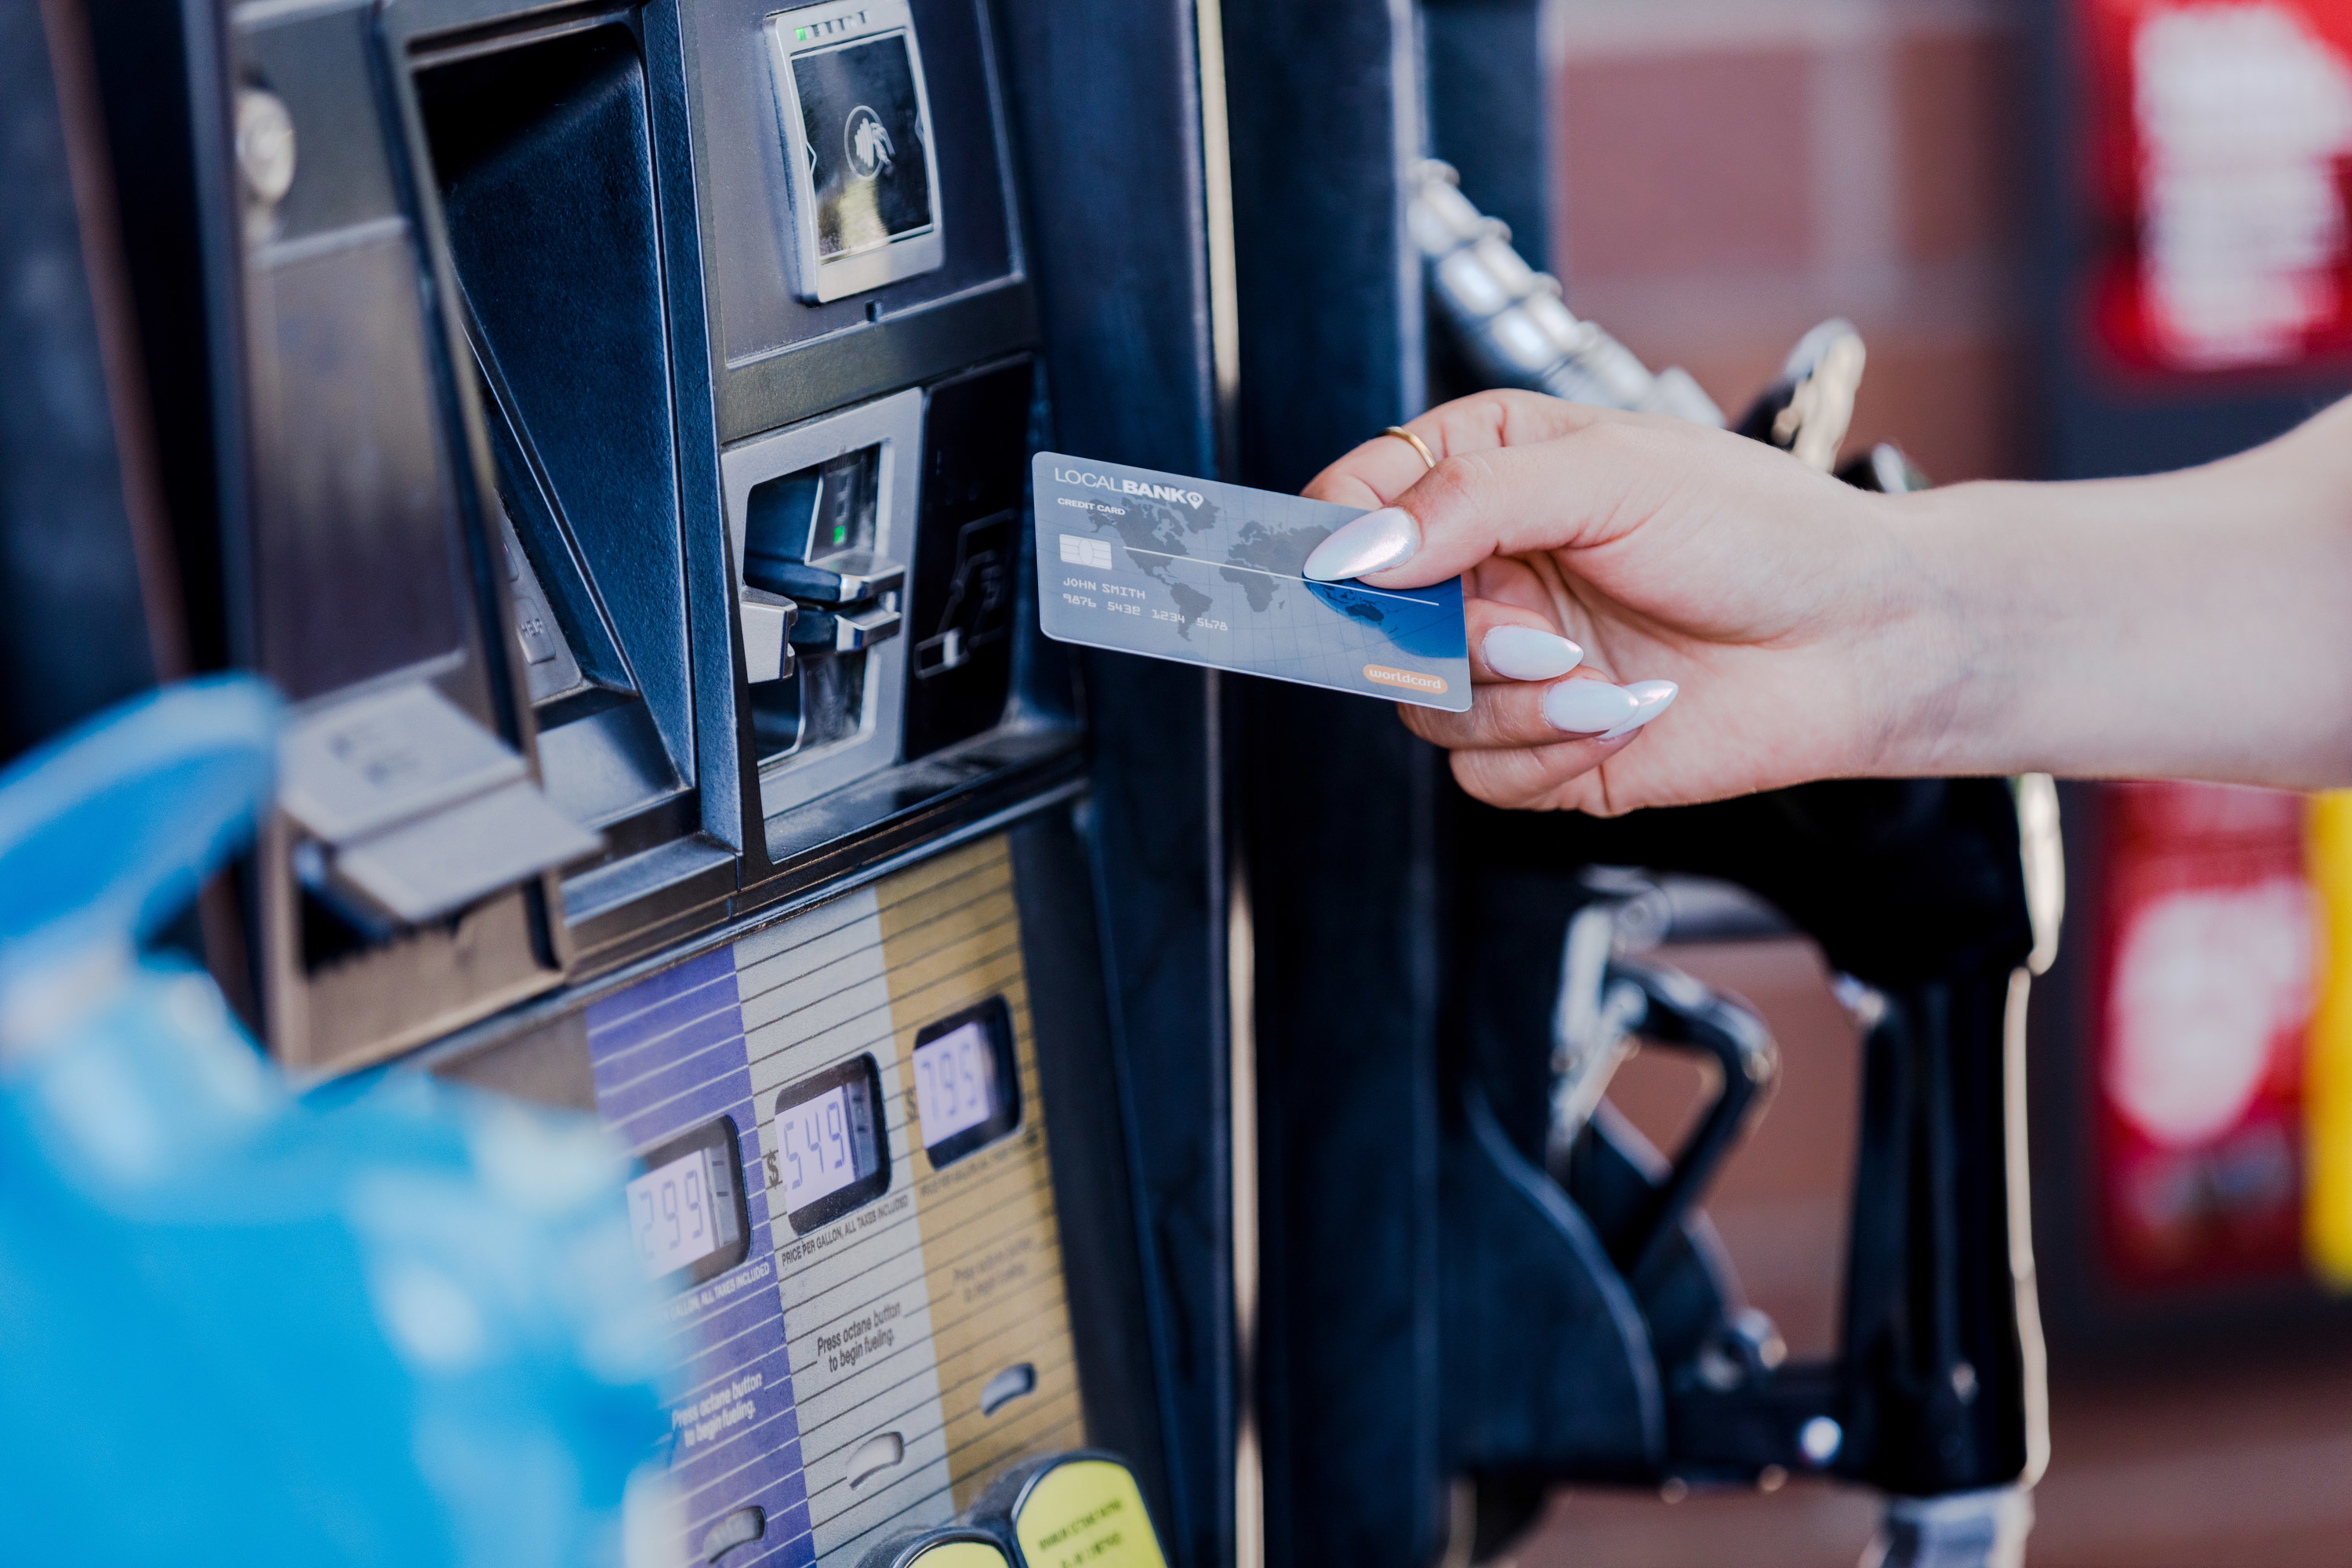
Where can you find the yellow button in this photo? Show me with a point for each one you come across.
(1087, 1513)
(957, 1554)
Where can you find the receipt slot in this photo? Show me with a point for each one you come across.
(413, 880)
(546, 182)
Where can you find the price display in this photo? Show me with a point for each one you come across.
(670, 1209)
(829, 1153)
(966, 1092)
(955, 1082)
(813, 1141)
(686, 1214)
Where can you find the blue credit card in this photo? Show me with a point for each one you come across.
(1170, 567)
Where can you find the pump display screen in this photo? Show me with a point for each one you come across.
(671, 1211)
(966, 1092)
(830, 1154)
(865, 136)
(688, 1216)
(819, 1148)
(955, 1082)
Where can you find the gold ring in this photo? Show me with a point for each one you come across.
(1415, 442)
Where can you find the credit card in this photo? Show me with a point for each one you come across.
(1170, 567)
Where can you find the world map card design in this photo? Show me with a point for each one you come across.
(1204, 572)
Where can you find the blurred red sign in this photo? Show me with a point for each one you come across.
(2203, 998)
(2220, 143)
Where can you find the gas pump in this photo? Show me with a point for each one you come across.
(616, 425)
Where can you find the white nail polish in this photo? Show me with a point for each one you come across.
(1587, 707)
(1372, 542)
(1651, 699)
(1523, 653)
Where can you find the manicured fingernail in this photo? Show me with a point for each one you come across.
(1587, 707)
(1523, 653)
(1651, 699)
(1372, 542)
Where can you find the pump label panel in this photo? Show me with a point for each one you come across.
(1208, 574)
(892, 1341)
(667, 1055)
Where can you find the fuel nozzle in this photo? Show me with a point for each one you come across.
(1808, 411)
(1511, 319)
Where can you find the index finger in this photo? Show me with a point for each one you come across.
(1577, 490)
(1382, 468)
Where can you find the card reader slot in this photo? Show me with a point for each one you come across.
(810, 533)
(825, 509)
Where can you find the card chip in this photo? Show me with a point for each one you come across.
(1093, 553)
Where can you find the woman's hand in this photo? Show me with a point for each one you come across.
(1781, 604)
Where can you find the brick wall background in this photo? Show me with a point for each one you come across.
(1731, 172)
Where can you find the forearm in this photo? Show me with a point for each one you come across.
(2193, 624)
